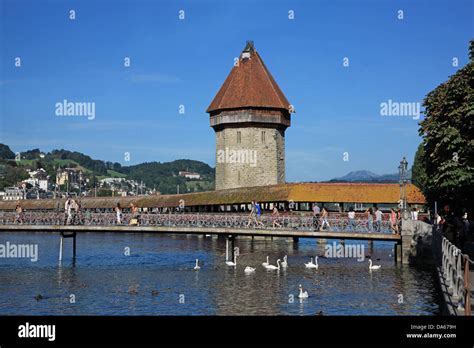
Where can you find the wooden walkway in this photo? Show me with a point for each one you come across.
(277, 232)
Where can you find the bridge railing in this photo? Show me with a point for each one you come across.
(455, 269)
(227, 220)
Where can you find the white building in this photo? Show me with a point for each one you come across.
(13, 194)
(38, 178)
(190, 175)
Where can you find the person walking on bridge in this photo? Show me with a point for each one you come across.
(393, 221)
(351, 216)
(258, 210)
(19, 214)
(275, 216)
(370, 219)
(316, 216)
(135, 220)
(324, 219)
(252, 214)
(378, 219)
(118, 212)
(68, 211)
(72, 211)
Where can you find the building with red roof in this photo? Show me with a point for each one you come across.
(249, 115)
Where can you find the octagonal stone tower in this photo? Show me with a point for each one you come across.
(249, 115)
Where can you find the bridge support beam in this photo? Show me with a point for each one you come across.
(370, 244)
(229, 248)
(61, 247)
(61, 244)
(397, 248)
(232, 240)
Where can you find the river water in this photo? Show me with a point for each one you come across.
(156, 277)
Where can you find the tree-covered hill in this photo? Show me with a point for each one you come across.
(163, 177)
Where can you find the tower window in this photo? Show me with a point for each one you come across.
(263, 136)
(239, 137)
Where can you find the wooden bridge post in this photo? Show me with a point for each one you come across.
(398, 252)
(227, 249)
(232, 247)
(61, 247)
(61, 244)
(74, 245)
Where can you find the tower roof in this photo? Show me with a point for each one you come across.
(249, 84)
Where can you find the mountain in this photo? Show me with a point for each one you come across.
(367, 176)
(359, 175)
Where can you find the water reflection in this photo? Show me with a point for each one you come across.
(159, 270)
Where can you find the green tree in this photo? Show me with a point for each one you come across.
(419, 177)
(447, 139)
(5, 152)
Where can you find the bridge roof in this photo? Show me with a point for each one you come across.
(249, 84)
(297, 192)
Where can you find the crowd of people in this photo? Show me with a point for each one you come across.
(456, 228)
(320, 219)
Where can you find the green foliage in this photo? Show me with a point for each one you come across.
(419, 177)
(160, 176)
(96, 166)
(447, 139)
(164, 176)
(114, 174)
(10, 175)
(31, 154)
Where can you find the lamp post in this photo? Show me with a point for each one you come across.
(402, 171)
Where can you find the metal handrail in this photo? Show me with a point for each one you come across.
(455, 269)
(195, 220)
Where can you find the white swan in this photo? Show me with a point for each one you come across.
(230, 263)
(303, 294)
(374, 266)
(284, 264)
(311, 264)
(272, 268)
(197, 268)
(249, 269)
(265, 264)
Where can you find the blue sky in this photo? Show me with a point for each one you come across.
(184, 62)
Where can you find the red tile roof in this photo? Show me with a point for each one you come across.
(297, 192)
(249, 84)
